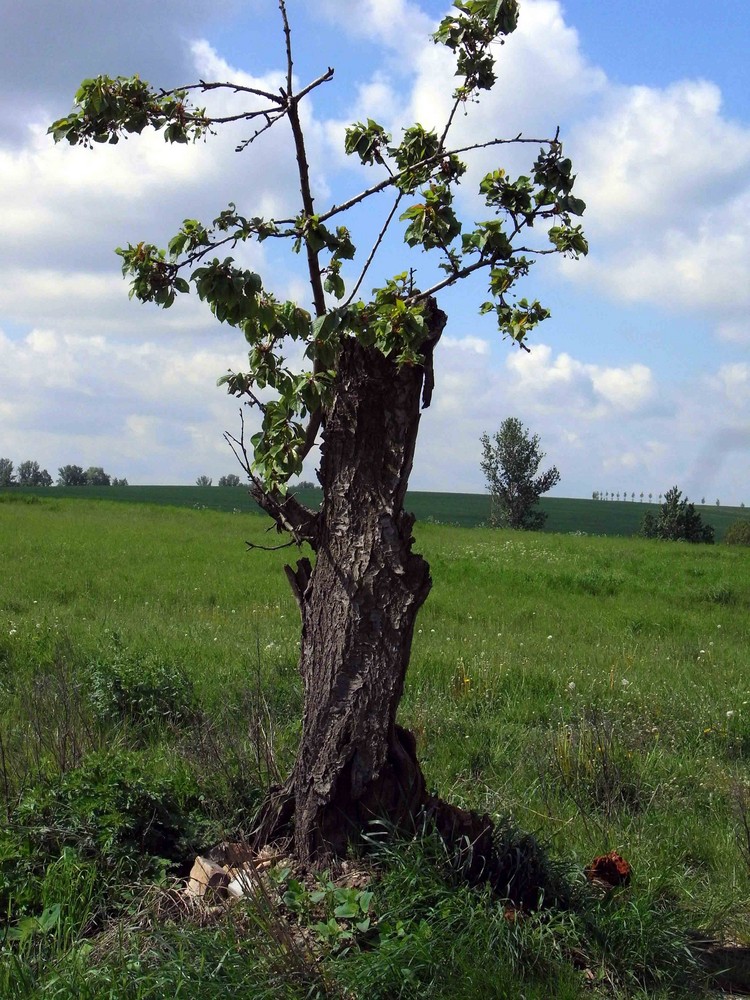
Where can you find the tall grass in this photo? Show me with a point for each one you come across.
(593, 689)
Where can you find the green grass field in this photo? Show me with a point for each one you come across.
(595, 690)
(467, 510)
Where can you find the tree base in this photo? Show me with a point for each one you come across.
(477, 850)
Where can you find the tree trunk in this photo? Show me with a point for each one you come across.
(358, 605)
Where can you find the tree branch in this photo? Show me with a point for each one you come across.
(234, 87)
(395, 178)
(289, 513)
(374, 250)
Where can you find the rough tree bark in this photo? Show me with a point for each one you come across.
(358, 605)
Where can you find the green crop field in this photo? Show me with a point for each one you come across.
(593, 691)
(468, 510)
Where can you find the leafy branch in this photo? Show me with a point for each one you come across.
(418, 167)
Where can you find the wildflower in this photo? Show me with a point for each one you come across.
(549, 637)
(13, 631)
(731, 714)
(571, 686)
(625, 682)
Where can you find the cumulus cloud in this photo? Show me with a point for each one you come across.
(87, 397)
(666, 178)
(84, 373)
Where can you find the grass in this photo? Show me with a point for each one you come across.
(467, 510)
(593, 689)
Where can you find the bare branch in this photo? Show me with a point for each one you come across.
(323, 78)
(234, 87)
(374, 250)
(288, 44)
(456, 103)
(269, 548)
(289, 513)
(451, 279)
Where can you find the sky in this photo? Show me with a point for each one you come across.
(640, 379)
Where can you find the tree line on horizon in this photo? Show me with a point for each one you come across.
(29, 473)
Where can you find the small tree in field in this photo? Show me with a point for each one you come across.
(29, 474)
(96, 476)
(368, 370)
(510, 463)
(677, 521)
(230, 480)
(204, 481)
(7, 476)
(738, 533)
(71, 475)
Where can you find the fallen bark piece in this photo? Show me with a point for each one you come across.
(609, 870)
(207, 877)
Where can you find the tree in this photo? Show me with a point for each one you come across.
(368, 370)
(7, 477)
(96, 476)
(71, 475)
(29, 474)
(510, 462)
(119, 482)
(230, 480)
(677, 521)
(738, 533)
(204, 481)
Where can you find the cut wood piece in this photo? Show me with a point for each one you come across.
(207, 876)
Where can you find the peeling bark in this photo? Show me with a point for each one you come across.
(358, 603)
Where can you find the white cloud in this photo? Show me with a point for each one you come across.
(567, 382)
(393, 23)
(475, 344)
(666, 178)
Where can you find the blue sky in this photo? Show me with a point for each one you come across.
(640, 379)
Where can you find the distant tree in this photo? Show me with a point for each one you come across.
(742, 505)
(738, 533)
(595, 495)
(510, 463)
(29, 474)
(7, 477)
(703, 501)
(204, 481)
(71, 475)
(305, 484)
(120, 482)
(230, 480)
(618, 496)
(650, 497)
(718, 502)
(677, 521)
(641, 496)
(96, 476)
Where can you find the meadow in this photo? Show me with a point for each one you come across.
(591, 691)
(467, 510)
